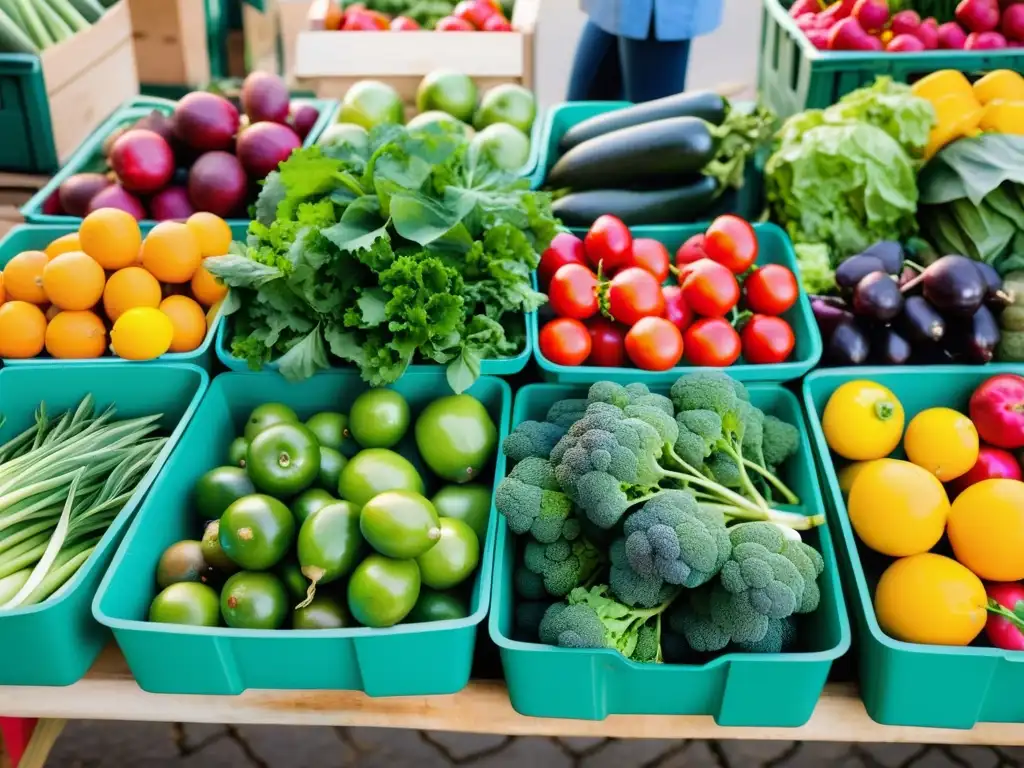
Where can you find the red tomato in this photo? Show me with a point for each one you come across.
(609, 244)
(710, 289)
(677, 311)
(497, 23)
(767, 339)
(453, 24)
(771, 289)
(565, 249)
(731, 242)
(689, 252)
(565, 341)
(712, 342)
(635, 293)
(404, 24)
(654, 344)
(607, 343)
(651, 255)
(476, 12)
(360, 20)
(573, 292)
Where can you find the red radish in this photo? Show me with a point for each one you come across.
(303, 119)
(871, 14)
(497, 23)
(689, 252)
(849, 35)
(984, 41)
(142, 160)
(453, 24)
(76, 191)
(116, 196)
(217, 184)
(1012, 25)
(978, 15)
(265, 97)
(803, 7)
(997, 410)
(928, 33)
(607, 343)
(565, 248)
(171, 204)
(404, 24)
(905, 23)
(52, 206)
(1005, 625)
(263, 146)
(952, 36)
(905, 44)
(205, 121)
(841, 9)
(818, 38)
(991, 463)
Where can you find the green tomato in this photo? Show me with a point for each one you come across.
(437, 606)
(254, 601)
(453, 559)
(331, 464)
(267, 415)
(382, 591)
(218, 488)
(400, 524)
(470, 503)
(456, 437)
(331, 430)
(256, 532)
(187, 602)
(323, 612)
(283, 459)
(329, 544)
(236, 452)
(291, 576)
(310, 501)
(379, 418)
(213, 552)
(375, 471)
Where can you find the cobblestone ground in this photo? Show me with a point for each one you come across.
(87, 744)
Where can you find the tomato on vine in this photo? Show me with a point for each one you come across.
(609, 244)
(651, 255)
(732, 242)
(633, 294)
(565, 249)
(565, 341)
(771, 289)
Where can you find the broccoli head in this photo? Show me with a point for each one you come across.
(663, 423)
(691, 619)
(648, 643)
(565, 413)
(596, 450)
(780, 637)
(724, 469)
(622, 624)
(713, 390)
(753, 434)
(532, 438)
(700, 430)
(572, 626)
(611, 393)
(629, 586)
(781, 441)
(528, 584)
(563, 564)
(528, 616)
(532, 502)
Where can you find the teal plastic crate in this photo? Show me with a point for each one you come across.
(25, 125)
(56, 641)
(409, 659)
(737, 689)
(29, 237)
(775, 248)
(89, 155)
(905, 683)
(793, 75)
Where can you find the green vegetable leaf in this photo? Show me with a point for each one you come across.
(241, 272)
(373, 305)
(421, 219)
(305, 358)
(463, 370)
(360, 225)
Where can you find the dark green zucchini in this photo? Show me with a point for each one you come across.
(706, 105)
(667, 149)
(661, 206)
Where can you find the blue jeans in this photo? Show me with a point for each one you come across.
(612, 68)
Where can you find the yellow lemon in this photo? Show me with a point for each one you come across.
(142, 333)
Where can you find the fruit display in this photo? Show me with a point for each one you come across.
(35, 25)
(613, 304)
(208, 155)
(411, 15)
(948, 512)
(108, 287)
(324, 524)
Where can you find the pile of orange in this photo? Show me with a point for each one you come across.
(107, 286)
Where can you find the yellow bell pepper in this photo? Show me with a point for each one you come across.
(945, 82)
(956, 116)
(1003, 117)
(1003, 84)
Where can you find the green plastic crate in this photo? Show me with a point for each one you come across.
(793, 75)
(775, 248)
(35, 237)
(90, 153)
(905, 683)
(25, 126)
(55, 642)
(412, 659)
(752, 690)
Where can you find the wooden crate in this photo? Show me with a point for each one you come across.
(329, 62)
(271, 35)
(170, 41)
(15, 190)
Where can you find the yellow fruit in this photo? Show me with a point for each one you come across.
(862, 421)
(206, 288)
(945, 82)
(142, 333)
(64, 244)
(23, 277)
(897, 508)
(111, 236)
(51, 312)
(189, 322)
(129, 288)
(1001, 85)
(171, 252)
(1003, 117)
(73, 281)
(22, 330)
(212, 232)
(848, 474)
(986, 529)
(930, 599)
(3, 293)
(942, 441)
(76, 335)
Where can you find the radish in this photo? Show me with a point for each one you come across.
(905, 44)
(872, 15)
(978, 15)
(849, 35)
(800, 7)
(905, 23)
(1005, 625)
(982, 41)
(1012, 25)
(838, 11)
(818, 38)
(928, 33)
(991, 463)
(952, 36)
(997, 410)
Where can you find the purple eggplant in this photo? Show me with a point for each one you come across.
(890, 348)
(954, 286)
(920, 321)
(829, 313)
(995, 296)
(890, 253)
(855, 269)
(975, 340)
(848, 345)
(878, 297)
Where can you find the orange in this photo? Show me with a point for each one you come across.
(111, 236)
(930, 599)
(73, 281)
(206, 288)
(127, 288)
(76, 335)
(171, 252)
(22, 330)
(3, 294)
(848, 474)
(942, 441)
(986, 529)
(212, 232)
(64, 244)
(23, 277)
(51, 312)
(189, 322)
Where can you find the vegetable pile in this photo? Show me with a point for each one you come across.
(63, 481)
(624, 503)
(30, 26)
(902, 508)
(149, 295)
(410, 15)
(406, 249)
(281, 549)
(612, 302)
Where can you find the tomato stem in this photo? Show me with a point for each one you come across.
(884, 410)
(1000, 610)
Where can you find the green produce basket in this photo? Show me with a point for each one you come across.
(409, 659)
(56, 641)
(775, 248)
(27, 145)
(747, 202)
(906, 683)
(737, 689)
(89, 156)
(31, 237)
(793, 75)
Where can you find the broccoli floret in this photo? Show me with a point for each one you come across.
(611, 393)
(691, 619)
(663, 423)
(529, 614)
(563, 564)
(724, 470)
(700, 431)
(532, 502)
(780, 637)
(532, 438)
(781, 441)
(622, 624)
(753, 434)
(565, 413)
(648, 643)
(629, 586)
(528, 584)
(572, 626)
(713, 390)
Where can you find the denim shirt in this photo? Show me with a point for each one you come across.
(672, 19)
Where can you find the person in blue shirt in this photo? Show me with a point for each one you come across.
(638, 50)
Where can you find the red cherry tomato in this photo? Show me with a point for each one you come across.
(476, 12)
(654, 344)
(497, 23)
(565, 249)
(711, 341)
(565, 341)
(689, 252)
(360, 20)
(635, 293)
(767, 339)
(731, 242)
(710, 289)
(609, 244)
(607, 343)
(453, 24)
(404, 24)
(677, 311)
(573, 292)
(651, 255)
(771, 289)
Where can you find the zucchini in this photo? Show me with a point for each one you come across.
(659, 206)
(707, 105)
(12, 38)
(666, 150)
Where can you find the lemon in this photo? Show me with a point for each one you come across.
(942, 441)
(142, 333)
(862, 421)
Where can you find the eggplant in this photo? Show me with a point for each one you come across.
(829, 314)
(995, 296)
(890, 253)
(848, 345)
(920, 321)
(890, 348)
(954, 286)
(855, 269)
(877, 296)
(659, 206)
(976, 339)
